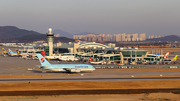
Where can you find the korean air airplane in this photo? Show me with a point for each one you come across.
(18, 54)
(12, 53)
(64, 67)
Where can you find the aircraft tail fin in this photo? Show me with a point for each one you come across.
(42, 60)
(166, 55)
(175, 58)
(4, 51)
(90, 59)
(10, 51)
(151, 51)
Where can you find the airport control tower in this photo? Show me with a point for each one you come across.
(50, 37)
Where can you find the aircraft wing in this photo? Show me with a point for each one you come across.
(72, 70)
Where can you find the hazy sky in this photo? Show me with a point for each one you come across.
(153, 17)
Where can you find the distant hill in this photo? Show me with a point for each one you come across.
(62, 33)
(7, 32)
(31, 38)
(84, 33)
(14, 34)
(170, 38)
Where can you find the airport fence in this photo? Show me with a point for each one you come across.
(172, 66)
(176, 52)
(120, 67)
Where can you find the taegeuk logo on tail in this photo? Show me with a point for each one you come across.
(42, 60)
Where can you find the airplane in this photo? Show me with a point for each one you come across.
(64, 67)
(159, 56)
(23, 55)
(11, 45)
(168, 61)
(166, 55)
(51, 57)
(12, 53)
(175, 58)
(154, 53)
(34, 55)
(26, 46)
(67, 58)
(4, 52)
(63, 58)
(73, 59)
(97, 62)
(156, 62)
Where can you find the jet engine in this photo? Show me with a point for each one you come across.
(75, 70)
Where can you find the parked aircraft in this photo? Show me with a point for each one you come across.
(12, 53)
(67, 58)
(34, 55)
(97, 62)
(175, 58)
(64, 67)
(5, 52)
(23, 55)
(52, 57)
(11, 45)
(73, 59)
(26, 46)
(165, 56)
(169, 61)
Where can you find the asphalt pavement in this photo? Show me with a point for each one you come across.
(19, 66)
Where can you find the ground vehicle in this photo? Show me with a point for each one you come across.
(145, 62)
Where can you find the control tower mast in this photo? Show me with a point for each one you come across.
(50, 37)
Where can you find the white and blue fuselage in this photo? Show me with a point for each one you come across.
(64, 67)
(12, 53)
(16, 54)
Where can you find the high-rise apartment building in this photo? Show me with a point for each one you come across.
(142, 36)
(123, 38)
(128, 37)
(118, 37)
(108, 37)
(114, 37)
(134, 37)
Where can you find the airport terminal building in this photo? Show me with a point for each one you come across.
(98, 51)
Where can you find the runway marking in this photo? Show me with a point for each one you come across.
(92, 79)
(35, 75)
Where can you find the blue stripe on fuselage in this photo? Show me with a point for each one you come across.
(71, 66)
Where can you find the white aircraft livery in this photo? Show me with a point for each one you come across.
(64, 67)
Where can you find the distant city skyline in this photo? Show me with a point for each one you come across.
(153, 17)
(114, 37)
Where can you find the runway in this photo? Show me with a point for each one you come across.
(19, 66)
(78, 79)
